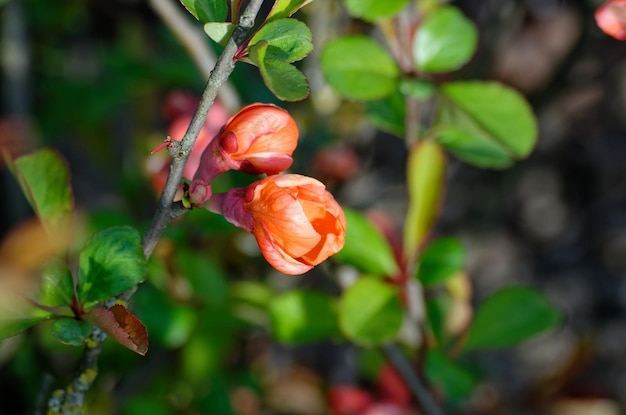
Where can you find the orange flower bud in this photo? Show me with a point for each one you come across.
(295, 220)
(611, 18)
(260, 138)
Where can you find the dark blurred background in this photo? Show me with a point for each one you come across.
(91, 78)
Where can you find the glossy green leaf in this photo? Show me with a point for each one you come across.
(44, 179)
(219, 32)
(454, 380)
(373, 10)
(442, 259)
(365, 248)
(111, 262)
(57, 285)
(388, 114)
(359, 68)
(446, 40)
(303, 316)
(426, 170)
(509, 317)
(287, 40)
(71, 331)
(282, 78)
(370, 312)
(500, 113)
(207, 10)
(285, 8)
(474, 147)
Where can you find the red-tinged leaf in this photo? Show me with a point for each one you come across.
(122, 326)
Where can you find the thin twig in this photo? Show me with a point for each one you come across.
(71, 399)
(196, 43)
(420, 392)
(223, 68)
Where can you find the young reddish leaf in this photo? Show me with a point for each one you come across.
(122, 326)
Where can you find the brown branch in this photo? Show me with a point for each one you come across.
(71, 399)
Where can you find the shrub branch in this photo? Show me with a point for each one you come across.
(70, 401)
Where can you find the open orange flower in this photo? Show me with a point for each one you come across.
(295, 220)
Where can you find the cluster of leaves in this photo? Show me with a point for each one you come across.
(274, 46)
(111, 263)
(482, 123)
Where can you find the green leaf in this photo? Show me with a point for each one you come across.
(388, 114)
(446, 40)
(456, 382)
(251, 292)
(57, 285)
(302, 317)
(418, 88)
(442, 259)
(207, 10)
(474, 147)
(10, 327)
(206, 276)
(373, 10)
(285, 8)
(219, 32)
(436, 307)
(370, 312)
(365, 248)
(359, 68)
(111, 262)
(282, 78)
(71, 331)
(288, 40)
(509, 317)
(44, 179)
(170, 325)
(499, 112)
(426, 171)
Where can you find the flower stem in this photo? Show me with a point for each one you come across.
(420, 392)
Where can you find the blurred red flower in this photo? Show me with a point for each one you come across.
(611, 18)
